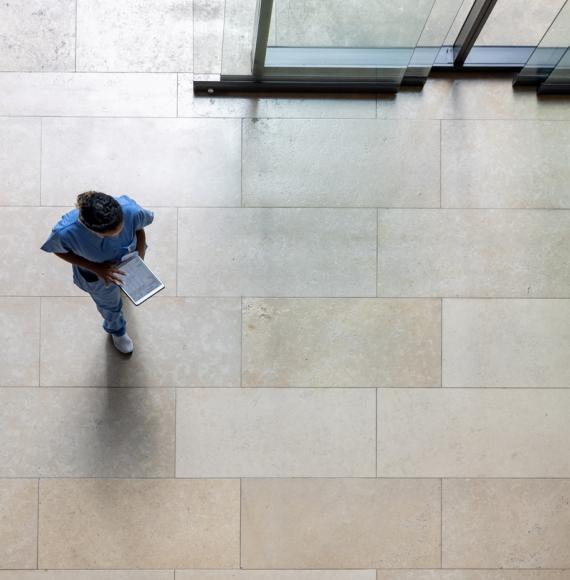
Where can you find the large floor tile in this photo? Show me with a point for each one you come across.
(341, 343)
(351, 163)
(28, 271)
(20, 145)
(340, 523)
(37, 35)
(471, 98)
(88, 94)
(506, 523)
(87, 432)
(275, 433)
(473, 433)
(208, 35)
(134, 35)
(286, 105)
(473, 575)
(178, 342)
(506, 343)
(466, 253)
(273, 575)
(277, 252)
(90, 523)
(505, 164)
(18, 523)
(162, 162)
(89, 575)
(20, 340)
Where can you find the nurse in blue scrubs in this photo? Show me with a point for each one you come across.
(93, 238)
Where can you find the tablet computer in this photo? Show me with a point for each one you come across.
(139, 282)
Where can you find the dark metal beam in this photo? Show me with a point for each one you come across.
(478, 15)
(261, 35)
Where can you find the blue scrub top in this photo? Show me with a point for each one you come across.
(70, 235)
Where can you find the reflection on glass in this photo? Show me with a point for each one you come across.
(376, 40)
(551, 53)
(518, 22)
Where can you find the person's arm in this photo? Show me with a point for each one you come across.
(108, 272)
(141, 243)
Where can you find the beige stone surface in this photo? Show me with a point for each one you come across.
(37, 35)
(472, 98)
(144, 524)
(274, 575)
(479, 254)
(275, 433)
(341, 343)
(199, 160)
(239, 20)
(28, 271)
(20, 340)
(88, 94)
(87, 432)
(511, 164)
(277, 252)
(473, 433)
(134, 35)
(88, 575)
(178, 342)
(340, 523)
(392, 163)
(506, 523)
(20, 145)
(473, 574)
(506, 343)
(18, 523)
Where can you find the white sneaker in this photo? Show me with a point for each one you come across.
(123, 343)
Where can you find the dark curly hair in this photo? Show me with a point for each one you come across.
(99, 212)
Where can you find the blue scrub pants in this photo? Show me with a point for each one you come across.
(108, 302)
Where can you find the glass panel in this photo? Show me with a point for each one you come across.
(357, 38)
(518, 22)
(551, 53)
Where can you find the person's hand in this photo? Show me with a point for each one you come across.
(109, 273)
(141, 253)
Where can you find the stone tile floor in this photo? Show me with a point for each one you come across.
(359, 369)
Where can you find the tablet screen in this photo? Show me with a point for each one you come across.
(138, 283)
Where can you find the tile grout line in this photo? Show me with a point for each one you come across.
(177, 242)
(377, 419)
(40, 345)
(38, 529)
(441, 343)
(441, 522)
(41, 155)
(533, 210)
(175, 432)
(377, 246)
(241, 164)
(240, 522)
(241, 343)
(440, 162)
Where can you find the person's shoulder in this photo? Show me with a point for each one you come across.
(128, 204)
(67, 222)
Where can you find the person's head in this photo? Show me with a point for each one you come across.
(101, 213)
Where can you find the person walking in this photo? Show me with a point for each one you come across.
(94, 237)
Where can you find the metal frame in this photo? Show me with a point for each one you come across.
(288, 69)
(478, 15)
